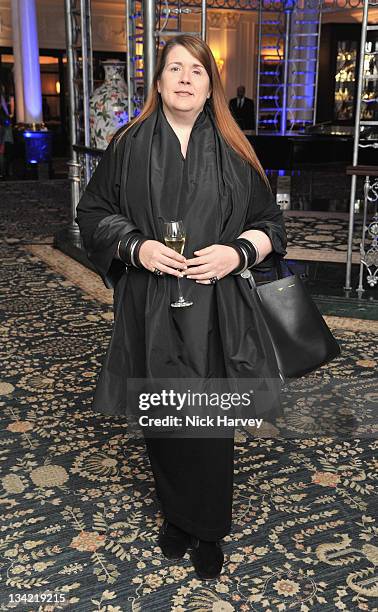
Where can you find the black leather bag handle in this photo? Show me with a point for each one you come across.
(273, 263)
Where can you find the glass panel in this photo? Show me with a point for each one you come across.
(369, 108)
(345, 79)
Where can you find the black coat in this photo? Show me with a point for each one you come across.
(138, 182)
(245, 116)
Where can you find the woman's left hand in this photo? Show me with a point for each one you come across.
(215, 260)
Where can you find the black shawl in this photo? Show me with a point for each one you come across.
(142, 179)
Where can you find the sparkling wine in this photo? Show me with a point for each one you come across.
(174, 238)
(177, 244)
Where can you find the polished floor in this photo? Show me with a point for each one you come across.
(79, 514)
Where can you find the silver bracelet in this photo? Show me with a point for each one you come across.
(118, 253)
(245, 265)
(132, 249)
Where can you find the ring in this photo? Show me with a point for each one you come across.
(157, 272)
(213, 280)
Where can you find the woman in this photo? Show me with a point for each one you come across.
(183, 157)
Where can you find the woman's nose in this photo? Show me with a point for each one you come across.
(185, 77)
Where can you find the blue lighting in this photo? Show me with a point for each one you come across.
(30, 62)
(38, 146)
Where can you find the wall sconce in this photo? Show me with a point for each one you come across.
(57, 87)
(219, 63)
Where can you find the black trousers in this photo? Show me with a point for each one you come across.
(193, 476)
(194, 482)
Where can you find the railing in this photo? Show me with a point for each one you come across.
(88, 158)
(271, 5)
(369, 234)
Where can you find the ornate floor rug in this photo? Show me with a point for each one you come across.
(320, 237)
(79, 517)
(32, 211)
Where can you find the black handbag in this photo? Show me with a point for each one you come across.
(301, 339)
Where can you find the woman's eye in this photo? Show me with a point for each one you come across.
(197, 72)
(174, 68)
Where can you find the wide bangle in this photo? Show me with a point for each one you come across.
(139, 243)
(252, 250)
(248, 253)
(125, 246)
(129, 249)
(243, 265)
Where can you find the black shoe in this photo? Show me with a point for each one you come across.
(207, 558)
(173, 541)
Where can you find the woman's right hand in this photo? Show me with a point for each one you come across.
(154, 254)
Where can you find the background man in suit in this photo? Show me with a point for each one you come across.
(243, 110)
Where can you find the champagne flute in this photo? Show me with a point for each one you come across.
(174, 237)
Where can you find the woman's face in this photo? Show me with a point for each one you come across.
(184, 84)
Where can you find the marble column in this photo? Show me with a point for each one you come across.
(17, 65)
(26, 54)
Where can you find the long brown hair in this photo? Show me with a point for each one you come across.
(225, 122)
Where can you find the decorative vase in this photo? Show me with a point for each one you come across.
(108, 105)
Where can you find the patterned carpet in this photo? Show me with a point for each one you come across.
(79, 516)
(32, 211)
(315, 231)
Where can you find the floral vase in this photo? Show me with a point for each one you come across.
(108, 105)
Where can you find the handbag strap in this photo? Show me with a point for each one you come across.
(279, 264)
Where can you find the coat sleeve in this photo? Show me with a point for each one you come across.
(99, 216)
(264, 214)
